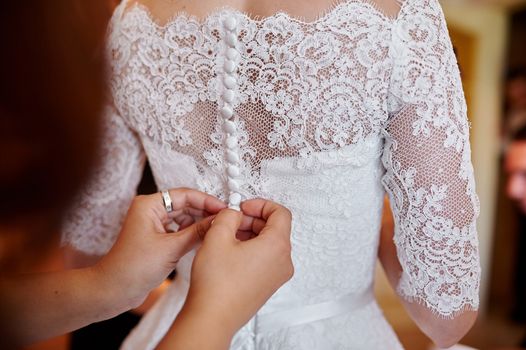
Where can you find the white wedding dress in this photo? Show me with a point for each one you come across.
(322, 116)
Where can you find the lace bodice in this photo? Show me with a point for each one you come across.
(322, 116)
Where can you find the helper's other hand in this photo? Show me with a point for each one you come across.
(146, 252)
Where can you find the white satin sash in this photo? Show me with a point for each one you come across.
(312, 313)
(159, 318)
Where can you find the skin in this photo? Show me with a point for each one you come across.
(162, 10)
(43, 305)
(515, 166)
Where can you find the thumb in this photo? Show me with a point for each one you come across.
(183, 241)
(225, 225)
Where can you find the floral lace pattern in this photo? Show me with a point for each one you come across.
(327, 112)
(433, 194)
(120, 165)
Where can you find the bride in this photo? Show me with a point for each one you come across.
(323, 107)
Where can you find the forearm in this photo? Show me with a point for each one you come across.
(75, 259)
(443, 331)
(39, 306)
(196, 330)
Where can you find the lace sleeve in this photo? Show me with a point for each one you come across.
(429, 176)
(97, 214)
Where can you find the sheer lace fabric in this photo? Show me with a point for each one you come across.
(329, 115)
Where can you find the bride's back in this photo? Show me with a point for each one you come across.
(307, 10)
(321, 107)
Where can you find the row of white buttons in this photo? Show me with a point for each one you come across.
(227, 112)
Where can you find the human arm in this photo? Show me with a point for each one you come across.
(444, 332)
(432, 258)
(231, 279)
(96, 216)
(39, 306)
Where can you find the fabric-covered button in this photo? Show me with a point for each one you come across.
(232, 157)
(233, 171)
(229, 126)
(231, 142)
(231, 40)
(230, 82)
(228, 96)
(227, 112)
(232, 54)
(233, 185)
(235, 199)
(230, 66)
(230, 23)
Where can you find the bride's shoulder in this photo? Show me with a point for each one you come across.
(411, 7)
(403, 9)
(390, 7)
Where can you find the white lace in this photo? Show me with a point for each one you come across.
(313, 102)
(428, 161)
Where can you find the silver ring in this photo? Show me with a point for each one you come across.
(167, 201)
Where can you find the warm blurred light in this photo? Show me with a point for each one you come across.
(506, 3)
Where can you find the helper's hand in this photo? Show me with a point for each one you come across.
(231, 279)
(145, 252)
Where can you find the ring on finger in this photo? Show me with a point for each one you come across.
(167, 201)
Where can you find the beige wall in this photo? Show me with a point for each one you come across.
(488, 25)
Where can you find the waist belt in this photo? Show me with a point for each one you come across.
(310, 313)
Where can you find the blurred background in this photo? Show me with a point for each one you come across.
(490, 40)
